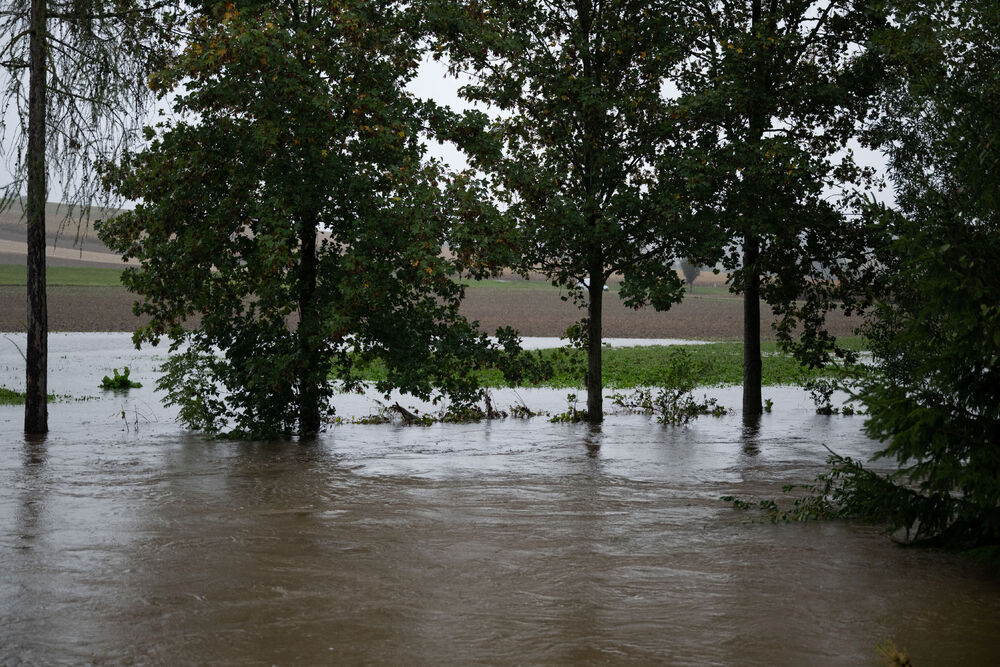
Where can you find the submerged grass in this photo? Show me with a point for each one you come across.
(11, 397)
(713, 364)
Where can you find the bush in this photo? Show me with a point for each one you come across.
(119, 381)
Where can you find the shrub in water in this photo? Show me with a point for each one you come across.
(119, 381)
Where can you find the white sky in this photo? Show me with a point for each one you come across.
(432, 81)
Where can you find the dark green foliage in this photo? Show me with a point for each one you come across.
(933, 396)
(821, 391)
(190, 380)
(846, 491)
(120, 381)
(771, 97)
(935, 400)
(576, 161)
(290, 208)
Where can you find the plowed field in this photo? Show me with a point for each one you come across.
(534, 312)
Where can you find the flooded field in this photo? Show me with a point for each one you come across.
(124, 539)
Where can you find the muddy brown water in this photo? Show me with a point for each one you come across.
(131, 541)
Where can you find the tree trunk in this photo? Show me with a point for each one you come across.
(36, 416)
(752, 405)
(595, 382)
(310, 365)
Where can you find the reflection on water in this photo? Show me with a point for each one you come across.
(506, 542)
(750, 434)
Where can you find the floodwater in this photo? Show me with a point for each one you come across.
(511, 542)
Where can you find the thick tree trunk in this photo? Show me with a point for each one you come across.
(36, 416)
(752, 404)
(310, 365)
(595, 382)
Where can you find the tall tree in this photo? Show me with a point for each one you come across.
(934, 397)
(773, 94)
(289, 205)
(575, 152)
(85, 62)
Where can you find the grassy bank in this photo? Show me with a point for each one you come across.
(76, 276)
(713, 364)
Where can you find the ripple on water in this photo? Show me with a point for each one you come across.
(513, 541)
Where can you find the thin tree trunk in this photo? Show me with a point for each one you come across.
(310, 364)
(592, 123)
(36, 417)
(595, 381)
(752, 404)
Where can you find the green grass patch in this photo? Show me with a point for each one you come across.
(11, 397)
(76, 276)
(713, 364)
(708, 290)
(668, 366)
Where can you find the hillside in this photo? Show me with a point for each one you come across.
(66, 245)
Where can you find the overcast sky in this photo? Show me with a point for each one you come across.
(432, 81)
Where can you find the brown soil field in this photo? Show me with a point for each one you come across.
(533, 312)
(542, 313)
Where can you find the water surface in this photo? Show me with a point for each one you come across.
(129, 540)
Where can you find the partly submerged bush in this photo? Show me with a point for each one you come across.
(673, 406)
(119, 381)
(572, 415)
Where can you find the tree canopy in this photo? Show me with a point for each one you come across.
(578, 151)
(770, 97)
(934, 397)
(290, 208)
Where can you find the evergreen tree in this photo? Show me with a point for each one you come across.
(934, 397)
